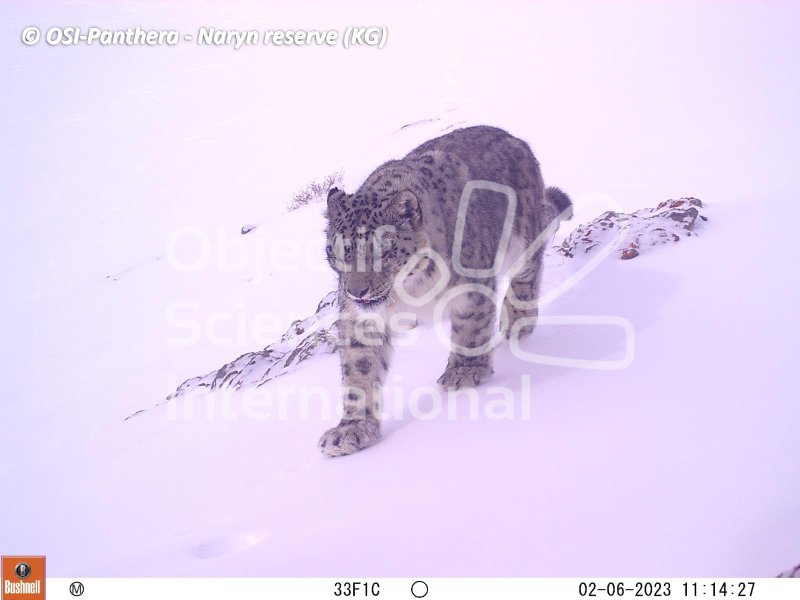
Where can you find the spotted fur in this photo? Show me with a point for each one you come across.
(403, 214)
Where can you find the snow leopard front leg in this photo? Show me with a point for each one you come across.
(472, 327)
(364, 352)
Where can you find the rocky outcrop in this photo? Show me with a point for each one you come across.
(795, 572)
(637, 232)
(304, 339)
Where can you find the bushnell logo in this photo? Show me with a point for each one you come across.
(23, 578)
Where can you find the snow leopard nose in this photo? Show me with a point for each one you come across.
(357, 286)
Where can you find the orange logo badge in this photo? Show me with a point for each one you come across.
(23, 578)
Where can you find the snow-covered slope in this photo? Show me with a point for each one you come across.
(693, 444)
(128, 174)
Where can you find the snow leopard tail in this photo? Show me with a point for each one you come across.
(560, 202)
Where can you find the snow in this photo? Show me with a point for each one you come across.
(120, 165)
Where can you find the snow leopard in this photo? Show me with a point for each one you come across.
(438, 222)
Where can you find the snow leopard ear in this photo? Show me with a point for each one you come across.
(406, 205)
(335, 197)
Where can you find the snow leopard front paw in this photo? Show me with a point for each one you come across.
(350, 436)
(455, 378)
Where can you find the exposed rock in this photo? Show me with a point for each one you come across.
(303, 339)
(795, 572)
(306, 338)
(634, 233)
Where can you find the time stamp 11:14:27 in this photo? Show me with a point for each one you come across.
(657, 589)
